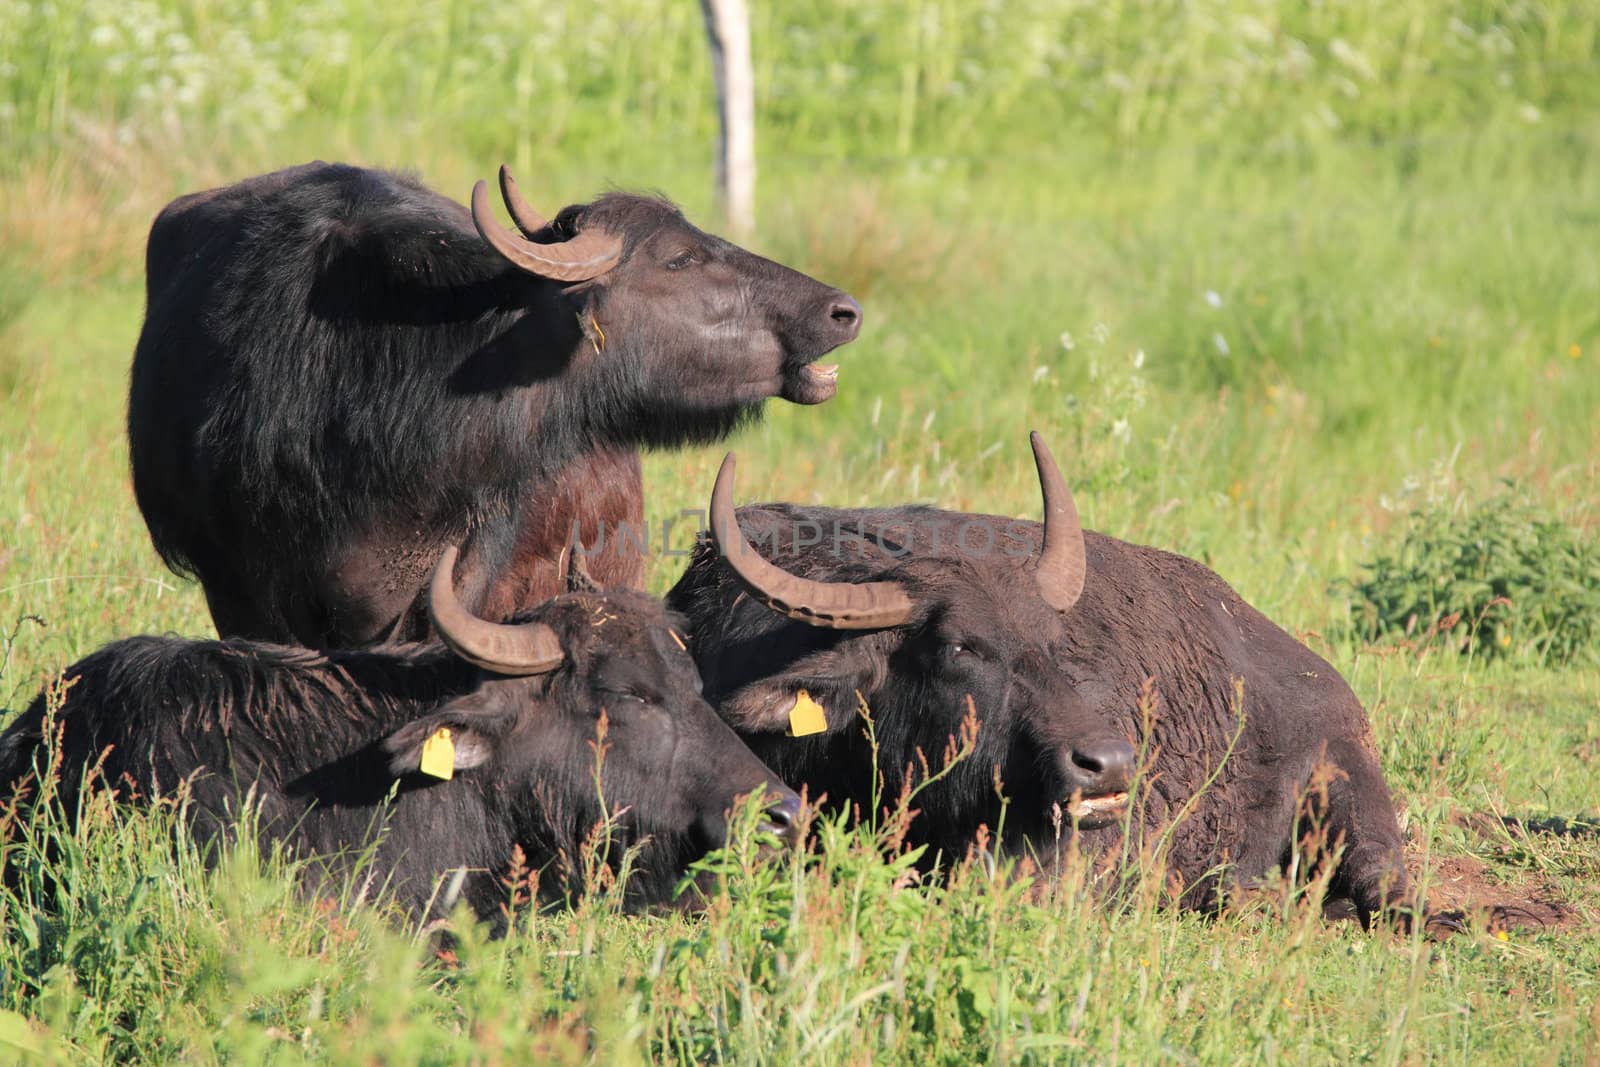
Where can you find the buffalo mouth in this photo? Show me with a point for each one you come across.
(813, 383)
(1098, 810)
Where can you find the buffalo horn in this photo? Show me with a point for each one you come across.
(527, 648)
(588, 255)
(1061, 566)
(527, 219)
(832, 605)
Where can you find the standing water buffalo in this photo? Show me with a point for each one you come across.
(341, 372)
(321, 740)
(1046, 635)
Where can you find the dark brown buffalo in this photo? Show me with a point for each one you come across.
(1049, 636)
(341, 372)
(320, 741)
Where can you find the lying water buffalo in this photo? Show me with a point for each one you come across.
(1047, 635)
(341, 372)
(487, 745)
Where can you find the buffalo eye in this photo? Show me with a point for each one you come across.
(681, 260)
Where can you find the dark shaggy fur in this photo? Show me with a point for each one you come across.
(320, 740)
(337, 376)
(1045, 686)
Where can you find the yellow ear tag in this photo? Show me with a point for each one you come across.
(806, 717)
(439, 754)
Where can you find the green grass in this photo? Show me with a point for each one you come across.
(1317, 266)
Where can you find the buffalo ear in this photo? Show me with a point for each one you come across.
(831, 678)
(476, 731)
(765, 707)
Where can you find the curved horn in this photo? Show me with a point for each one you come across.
(588, 255)
(833, 605)
(530, 648)
(1062, 565)
(527, 219)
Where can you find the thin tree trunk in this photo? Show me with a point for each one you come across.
(728, 32)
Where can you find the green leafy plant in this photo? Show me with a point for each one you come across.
(1503, 579)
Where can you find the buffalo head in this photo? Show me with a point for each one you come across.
(592, 710)
(708, 325)
(927, 641)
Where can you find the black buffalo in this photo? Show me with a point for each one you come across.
(320, 741)
(1048, 637)
(341, 372)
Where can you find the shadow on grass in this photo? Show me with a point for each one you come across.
(1555, 825)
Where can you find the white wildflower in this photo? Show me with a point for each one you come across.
(1253, 30)
(1351, 58)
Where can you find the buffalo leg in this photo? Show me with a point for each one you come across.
(1360, 813)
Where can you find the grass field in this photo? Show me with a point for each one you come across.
(1270, 279)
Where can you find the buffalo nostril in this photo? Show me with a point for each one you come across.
(783, 818)
(845, 313)
(1088, 761)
